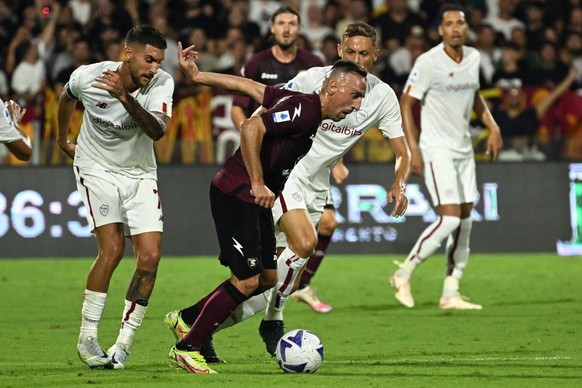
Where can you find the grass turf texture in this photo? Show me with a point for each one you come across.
(527, 335)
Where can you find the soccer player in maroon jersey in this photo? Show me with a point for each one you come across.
(275, 65)
(244, 190)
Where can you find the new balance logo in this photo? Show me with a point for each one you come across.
(101, 105)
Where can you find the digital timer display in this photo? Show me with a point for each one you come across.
(27, 212)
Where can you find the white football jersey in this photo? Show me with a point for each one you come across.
(110, 139)
(446, 89)
(8, 133)
(333, 139)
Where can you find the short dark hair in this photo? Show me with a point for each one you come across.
(344, 66)
(450, 7)
(359, 29)
(146, 34)
(285, 9)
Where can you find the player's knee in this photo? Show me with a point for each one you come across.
(149, 260)
(247, 286)
(327, 227)
(304, 247)
(111, 255)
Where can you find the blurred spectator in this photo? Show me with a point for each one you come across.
(329, 49)
(4, 84)
(314, 28)
(8, 25)
(571, 53)
(395, 24)
(476, 19)
(81, 54)
(490, 53)
(534, 24)
(170, 62)
(207, 61)
(62, 54)
(504, 21)
(260, 12)
(331, 15)
(357, 11)
(574, 24)
(109, 16)
(527, 57)
(81, 10)
(238, 18)
(510, 67)
(551, 69)
(521, 122)
(403, 58)
(226, 46)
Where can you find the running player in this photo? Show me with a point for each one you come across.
(17, 142)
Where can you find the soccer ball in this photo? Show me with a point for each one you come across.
(299, 351)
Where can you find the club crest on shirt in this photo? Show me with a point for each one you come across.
(104, 209)
(361, 115)
(282, 116)
(252, 262)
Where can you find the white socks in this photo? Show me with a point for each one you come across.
(458, 249)
(247, 309)
(132, 317)
(93, 304)
(288, 267)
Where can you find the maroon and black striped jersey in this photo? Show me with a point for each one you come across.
(291, 121)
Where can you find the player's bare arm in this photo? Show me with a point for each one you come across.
(251, 139)
(65, 109)
(152, 123)
(340, 172)
(411, 131)
(19, 148)
(230, 83)
(397, 191)
(494, 143)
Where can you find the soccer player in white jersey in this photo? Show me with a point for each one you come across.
(17, 142)
(446, 80)
(128, 106)
(299, 207)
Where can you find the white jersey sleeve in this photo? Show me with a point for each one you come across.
(8, 132)
(419, 79)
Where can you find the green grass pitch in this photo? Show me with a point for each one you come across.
(528, 334)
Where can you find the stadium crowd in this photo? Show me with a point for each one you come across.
(528, 48)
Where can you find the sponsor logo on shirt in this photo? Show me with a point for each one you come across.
(252, 262)
(461, 87)
(345, 130)
(269, 76)
(109, 124)
(102, 105)
(282, 116)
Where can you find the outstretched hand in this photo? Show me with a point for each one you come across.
(396, 195)
(186, 58)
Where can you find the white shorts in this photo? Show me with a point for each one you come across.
(114, 198)
(451, 181)
(297, 196)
